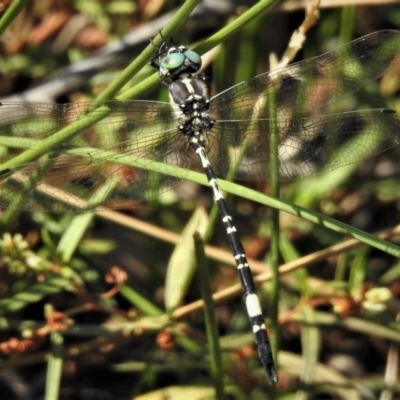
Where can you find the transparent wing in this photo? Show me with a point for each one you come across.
(303, 87)
(299, 91)
(307, 146)
(103, 164)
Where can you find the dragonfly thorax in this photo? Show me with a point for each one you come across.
(189, 97)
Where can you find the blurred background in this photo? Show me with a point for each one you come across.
(98, 301)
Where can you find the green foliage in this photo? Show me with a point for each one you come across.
(67, 262)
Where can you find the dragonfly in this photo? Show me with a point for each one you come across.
(75, 157)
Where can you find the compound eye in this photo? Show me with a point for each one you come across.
(193, 57)
(172, 61)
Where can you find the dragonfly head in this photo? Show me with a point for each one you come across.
(178, 63)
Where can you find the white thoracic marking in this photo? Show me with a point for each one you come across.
(227, 218)
(231, 229)
(253, 305)
(188, 84)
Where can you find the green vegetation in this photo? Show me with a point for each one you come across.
(91, 304)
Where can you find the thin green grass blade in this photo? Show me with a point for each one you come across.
(358, 272)
(210, 318)
(140, 302)
(73, 235)
(11, 13)
(244, 192)
(275, 230)
(54, 367)
(254, 12)
(347, 23)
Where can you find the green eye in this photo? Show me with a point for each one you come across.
(193, 57)
(173, 61)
